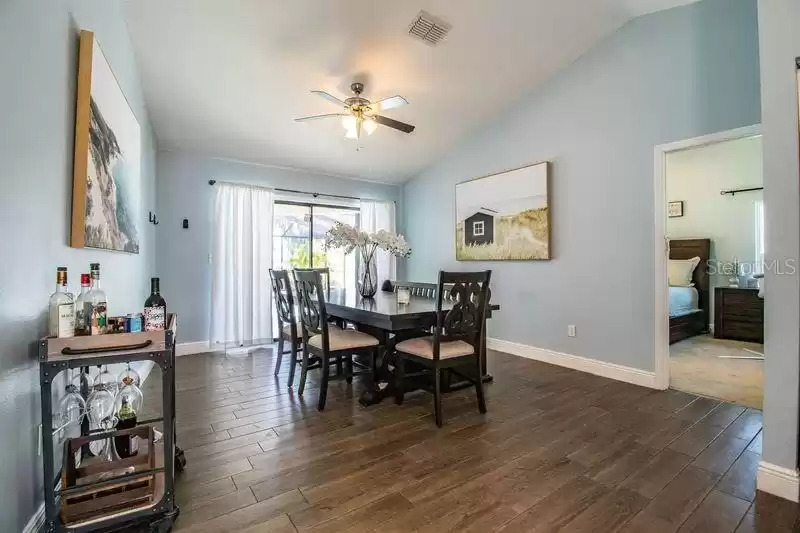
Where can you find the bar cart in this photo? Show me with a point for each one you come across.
(136, 493)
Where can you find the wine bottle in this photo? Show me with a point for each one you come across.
(127, 445)
(62, 307)
(83, 308)
(155, 309)
(97, 300)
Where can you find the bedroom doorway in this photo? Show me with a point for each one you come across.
(710, 235)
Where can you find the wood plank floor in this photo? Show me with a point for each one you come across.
(559, 451)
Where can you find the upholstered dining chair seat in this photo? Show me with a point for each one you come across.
(423, 347)
(344, 339)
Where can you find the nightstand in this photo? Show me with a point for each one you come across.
(738, 314)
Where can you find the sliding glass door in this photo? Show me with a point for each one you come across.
(343, 267)
(291, 242)
(298, 239)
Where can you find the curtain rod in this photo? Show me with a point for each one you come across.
(733, 192)
(293, 191)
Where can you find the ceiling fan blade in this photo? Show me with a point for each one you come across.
(388, 103)
(402, 126)
(329, 97)
(317, 117)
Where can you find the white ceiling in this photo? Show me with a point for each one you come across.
(225, 78)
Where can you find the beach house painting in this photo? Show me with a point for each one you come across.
(504, 216)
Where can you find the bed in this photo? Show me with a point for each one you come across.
(689, 306)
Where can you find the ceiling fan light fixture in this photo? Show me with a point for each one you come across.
(370, 125)
(349, 122)
(358, 114)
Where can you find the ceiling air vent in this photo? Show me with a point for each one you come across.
(428, 28)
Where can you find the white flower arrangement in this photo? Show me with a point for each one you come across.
(347, 237)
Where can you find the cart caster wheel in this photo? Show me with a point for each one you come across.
(180, 459)
(164, 525)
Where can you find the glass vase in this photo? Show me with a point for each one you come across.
(368, 277)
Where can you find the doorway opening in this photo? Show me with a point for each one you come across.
(709, 266)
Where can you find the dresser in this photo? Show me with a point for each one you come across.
(738, 314)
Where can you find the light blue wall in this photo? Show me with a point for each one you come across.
(779, 25)
(183, 192)
(672, 75)
(38, 59)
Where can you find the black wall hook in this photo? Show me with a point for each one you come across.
(153, 219)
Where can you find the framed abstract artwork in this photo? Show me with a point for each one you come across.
(504, 216)
(106, 181)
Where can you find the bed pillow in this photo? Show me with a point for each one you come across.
(680, 271)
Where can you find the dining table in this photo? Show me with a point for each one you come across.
(391, 322)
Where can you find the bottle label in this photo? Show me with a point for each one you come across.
(83, 313)
(63, 320)
(154, 318)
(98, 323)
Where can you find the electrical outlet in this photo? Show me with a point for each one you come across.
(39, 446)
(571, 331)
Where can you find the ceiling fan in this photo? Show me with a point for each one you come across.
(359, 114)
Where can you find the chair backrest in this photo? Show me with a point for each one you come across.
(284, 299)
(325, 273)
(469, 292)
(420, 290)
(431, 291)
(311, 303)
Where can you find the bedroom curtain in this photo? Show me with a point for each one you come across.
(377, 216)
(241, 256)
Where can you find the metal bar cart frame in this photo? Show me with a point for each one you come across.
(162, 513)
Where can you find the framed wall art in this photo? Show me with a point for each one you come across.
(106, 182)
(504, 216)
(675, 209)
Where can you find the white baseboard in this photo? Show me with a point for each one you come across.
(36, 522)
(188, 348)
(779, 481)
(592, 366)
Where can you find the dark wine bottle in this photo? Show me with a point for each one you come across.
(155, 309)
(126, 445)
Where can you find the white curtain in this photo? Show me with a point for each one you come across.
(241, 292)
(377, 216)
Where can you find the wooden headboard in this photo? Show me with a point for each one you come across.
(687, 249)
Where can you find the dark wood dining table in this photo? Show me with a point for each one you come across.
(391, 322)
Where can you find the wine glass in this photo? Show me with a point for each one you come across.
(71, 409)
(107, 381)
(130, 394)
(100, 408)
(84, 379)
(111, 454)
(127, 375)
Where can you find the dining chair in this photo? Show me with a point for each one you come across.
(326, 341)
(325, 273)
(456, 338)
(415, 288)
(288, 329)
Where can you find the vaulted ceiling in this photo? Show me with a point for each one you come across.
(225, 78)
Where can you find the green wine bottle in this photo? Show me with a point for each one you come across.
(127, 445)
